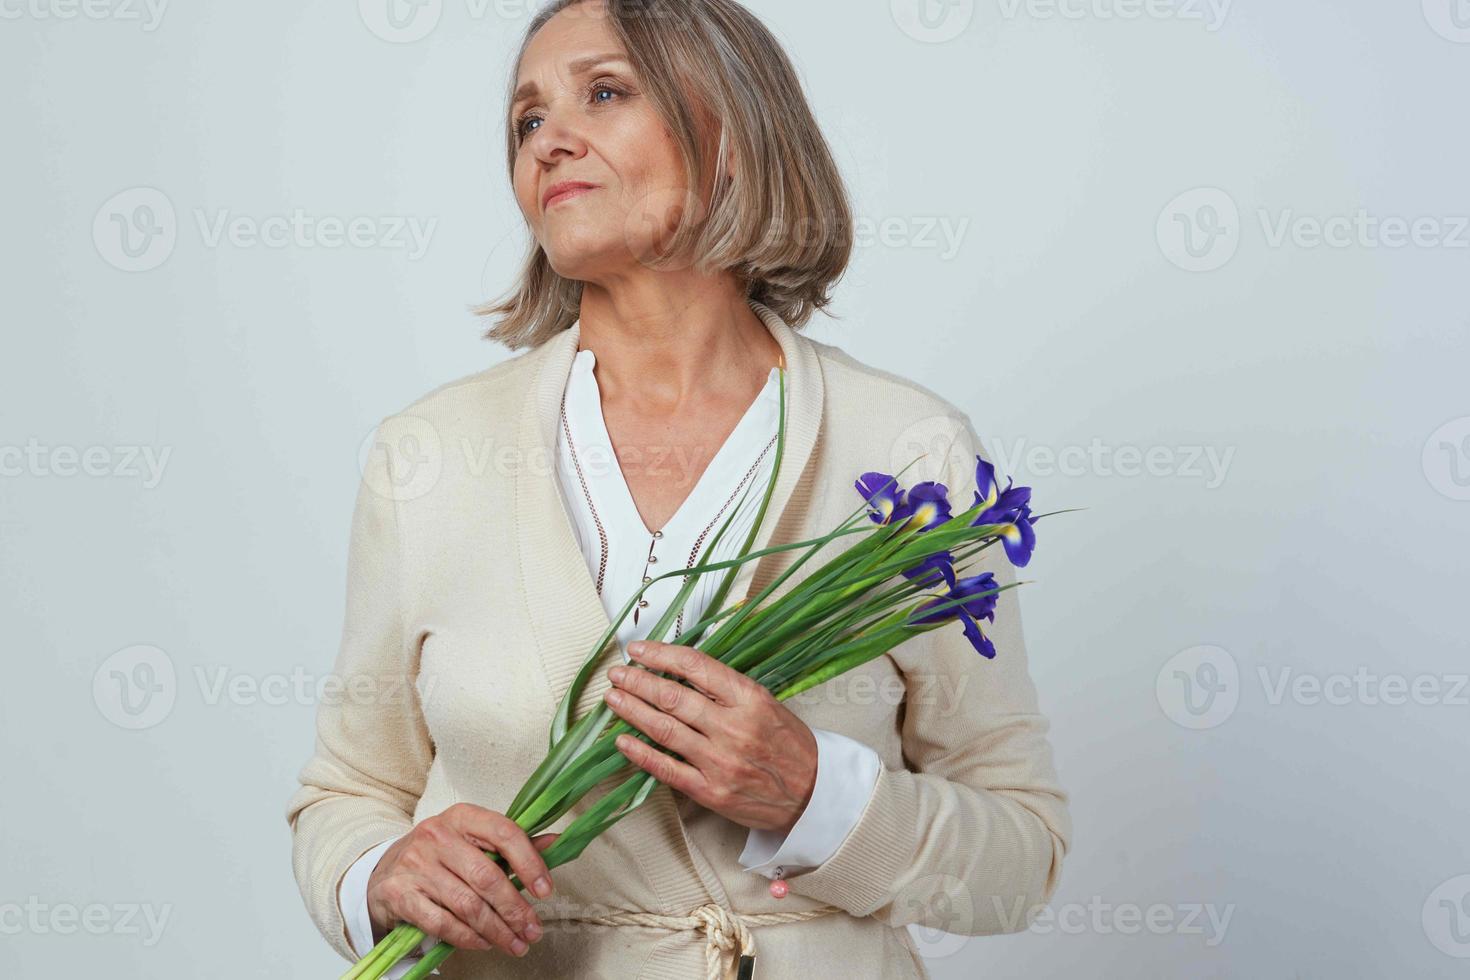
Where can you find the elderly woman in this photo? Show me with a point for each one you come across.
(687, 219)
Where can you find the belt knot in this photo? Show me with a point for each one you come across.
(725, 932)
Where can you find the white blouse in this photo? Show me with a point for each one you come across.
(622, 553)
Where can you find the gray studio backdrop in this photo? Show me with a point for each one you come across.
(1199, 267)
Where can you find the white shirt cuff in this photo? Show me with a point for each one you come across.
(353, 903)
(847, 771)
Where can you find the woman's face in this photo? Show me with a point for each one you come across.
(578, 115)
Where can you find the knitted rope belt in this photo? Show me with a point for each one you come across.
(724, 932)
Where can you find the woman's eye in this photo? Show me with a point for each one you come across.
(524, 129)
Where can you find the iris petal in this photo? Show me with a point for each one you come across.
(883, 495)
(930, 503)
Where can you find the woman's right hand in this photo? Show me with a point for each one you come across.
(438, 878)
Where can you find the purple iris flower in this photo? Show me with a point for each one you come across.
(929, 502)
(975, 606)
(884, 496)
(1011, 506)
(891, 504)
(933, 571)
(1019, 537)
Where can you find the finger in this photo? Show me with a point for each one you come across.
(723, 684)
(663, 767)
(664, 728)
(491, 884)
(497, 832)
(456, 896)
(668, 695)
(435, 920)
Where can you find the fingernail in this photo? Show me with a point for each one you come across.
(542, 886)
(533, 931)
(615, 675)
(636, 647)
(519, 947)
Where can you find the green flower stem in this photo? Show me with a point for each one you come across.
(430, 962)
(360, 969)
(394, 947)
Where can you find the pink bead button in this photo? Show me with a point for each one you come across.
(779, 888)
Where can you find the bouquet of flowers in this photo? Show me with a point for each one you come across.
(903, 574)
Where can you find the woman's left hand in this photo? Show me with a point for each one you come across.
(746, 755)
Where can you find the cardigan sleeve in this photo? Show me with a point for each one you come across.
(373, 749)
(969, 835)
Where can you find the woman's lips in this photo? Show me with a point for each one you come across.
(567, 195)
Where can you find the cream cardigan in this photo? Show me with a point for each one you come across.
(469, 610)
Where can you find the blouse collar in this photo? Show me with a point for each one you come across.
(727, 469)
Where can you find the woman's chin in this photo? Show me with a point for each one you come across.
(584, 262)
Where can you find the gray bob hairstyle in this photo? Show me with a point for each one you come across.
(784, 226)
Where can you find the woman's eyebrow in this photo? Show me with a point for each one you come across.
(529, 89)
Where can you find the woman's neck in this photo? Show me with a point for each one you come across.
(669, 346)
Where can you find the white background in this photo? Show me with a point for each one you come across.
(1082, 309)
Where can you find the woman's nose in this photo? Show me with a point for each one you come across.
(556, 138)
